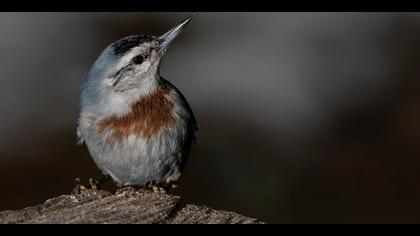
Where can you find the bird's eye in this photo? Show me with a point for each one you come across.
(138, 59)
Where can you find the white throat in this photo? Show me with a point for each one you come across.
(118, 103)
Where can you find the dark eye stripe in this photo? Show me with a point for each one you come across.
(137, 60)
(117, 76)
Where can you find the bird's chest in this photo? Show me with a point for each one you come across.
(150, 116)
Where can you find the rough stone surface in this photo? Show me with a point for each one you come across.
(125, 207)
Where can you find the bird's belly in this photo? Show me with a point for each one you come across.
(137, 161)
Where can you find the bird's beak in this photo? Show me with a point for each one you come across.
(169, 36)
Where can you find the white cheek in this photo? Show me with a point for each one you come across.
(108, 82)
(147, 66)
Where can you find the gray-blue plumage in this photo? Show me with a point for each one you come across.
(137, 126)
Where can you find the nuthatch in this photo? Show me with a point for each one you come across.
(138, 127)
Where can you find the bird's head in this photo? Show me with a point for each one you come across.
(129, 68)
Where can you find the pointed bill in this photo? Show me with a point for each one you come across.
(169, 36)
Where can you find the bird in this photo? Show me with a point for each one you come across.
(137, 126)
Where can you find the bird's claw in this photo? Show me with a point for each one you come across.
(78, 188)
(93, 184)
(156, 188)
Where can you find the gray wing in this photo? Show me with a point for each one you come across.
(194, 127)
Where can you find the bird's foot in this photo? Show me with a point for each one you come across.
(79, 187)
(93, 184)
(157, 188)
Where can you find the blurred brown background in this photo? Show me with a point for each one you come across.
(304, 117)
